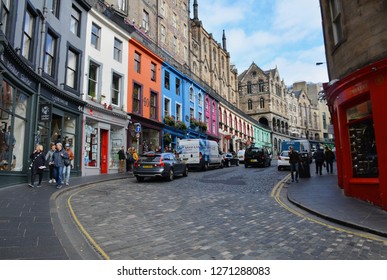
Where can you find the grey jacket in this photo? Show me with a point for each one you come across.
(58, 158)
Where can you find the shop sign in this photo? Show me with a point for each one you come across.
(45, 110)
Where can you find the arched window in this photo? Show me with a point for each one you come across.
(262, 103)
(249, 104)
(191, 94)
(261, 86)
(200, 99)
(249, 88)
(225, 117)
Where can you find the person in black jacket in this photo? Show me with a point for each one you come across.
(319, 159)
(294, 160)
(38, 163)
(329, 158)
(121, 158)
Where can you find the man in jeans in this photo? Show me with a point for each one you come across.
(122, 159)
(294, 160)
(67, 169)
(58, 161)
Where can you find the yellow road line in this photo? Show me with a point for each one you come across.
(82, 229)
(276, 194)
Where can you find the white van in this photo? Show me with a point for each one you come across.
(241, 156)
(200, 153)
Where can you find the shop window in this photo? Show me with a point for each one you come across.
(13, 112)
(362, 141)
(91, 145)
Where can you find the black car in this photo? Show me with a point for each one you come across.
(255, 156)
(165, 165)
(230, 159)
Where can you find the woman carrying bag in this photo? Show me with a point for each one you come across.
(38, 163)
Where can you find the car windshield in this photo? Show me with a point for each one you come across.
(150, 158)
(285, 153)
(254, 151)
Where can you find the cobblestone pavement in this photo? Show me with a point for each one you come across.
(219, 214)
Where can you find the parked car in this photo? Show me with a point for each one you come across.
(283, 160)
(230, 159)
(165, 165)
(241, 156)
(255, 156)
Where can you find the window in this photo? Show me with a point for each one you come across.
(200, 116)
(175, 44)
(249, 90)
(191, 94)
(166, 80)
(137, 62)
(55, 8)
(93, 80)
(177, 86)
(162, 7)
(153, 105)
(122, 5)
(174, 20)
(50, 54)
(261, 85)
(163, 34)
(200, 99)
(136, 98)
(167, 107)
(116, 88)
(117, 50)
(191, 113)
(75, 21)
(28, 35)
(95, 36)
(153, 71)
(249, 104)
(336, 21)
(324, 117)
(362, 141)
(5, 5)
(145, 20)
(72, 69)
(261, 103)
(178, 112)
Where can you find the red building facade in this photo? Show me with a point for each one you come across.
(358, 103)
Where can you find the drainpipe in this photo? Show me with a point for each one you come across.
(40, 70)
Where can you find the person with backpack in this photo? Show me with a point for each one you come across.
(319, 159)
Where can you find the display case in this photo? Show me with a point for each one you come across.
(362, 141)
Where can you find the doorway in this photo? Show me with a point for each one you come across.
(104, 136)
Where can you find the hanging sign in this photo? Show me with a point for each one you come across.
(45, 112)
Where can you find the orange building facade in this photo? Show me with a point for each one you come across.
(144, 97)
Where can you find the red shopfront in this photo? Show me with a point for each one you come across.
(358, 104)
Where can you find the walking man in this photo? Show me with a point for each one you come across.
(319, 159)
(58, 161)
(294, 160)
(121, 158)
(329, 158)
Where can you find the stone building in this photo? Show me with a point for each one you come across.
(263, 96)
(210, 61)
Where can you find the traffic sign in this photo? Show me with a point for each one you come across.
(137, 127)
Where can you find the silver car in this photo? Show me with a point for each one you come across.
(165, 165)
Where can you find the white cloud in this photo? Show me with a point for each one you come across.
(282, 33)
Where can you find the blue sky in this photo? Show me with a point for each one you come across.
(272, 33)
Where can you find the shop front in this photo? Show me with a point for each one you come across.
(105, 132)
(149, 136)
(358, 103)
(33, 111)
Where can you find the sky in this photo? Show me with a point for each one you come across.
(286, 34)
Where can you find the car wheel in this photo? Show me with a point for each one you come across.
(140, 179)
(171, 175)
(185, 174)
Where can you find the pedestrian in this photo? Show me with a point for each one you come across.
(319, 159)
(129, 160)
(121, 158)
(135, 155)
(329, 158)
(294, 160)
(50, 165)
(67, 165)
(58, 159)
(37, 165)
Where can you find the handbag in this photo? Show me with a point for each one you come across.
(66, 162)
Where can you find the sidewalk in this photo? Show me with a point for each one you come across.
(322, 196)
(26, 228)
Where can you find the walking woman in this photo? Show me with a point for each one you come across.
(38, 163)
(50, 165)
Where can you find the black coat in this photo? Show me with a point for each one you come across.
(37, 159)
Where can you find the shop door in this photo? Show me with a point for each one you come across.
(104, 151)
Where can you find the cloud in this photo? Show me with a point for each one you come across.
(282, 33)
